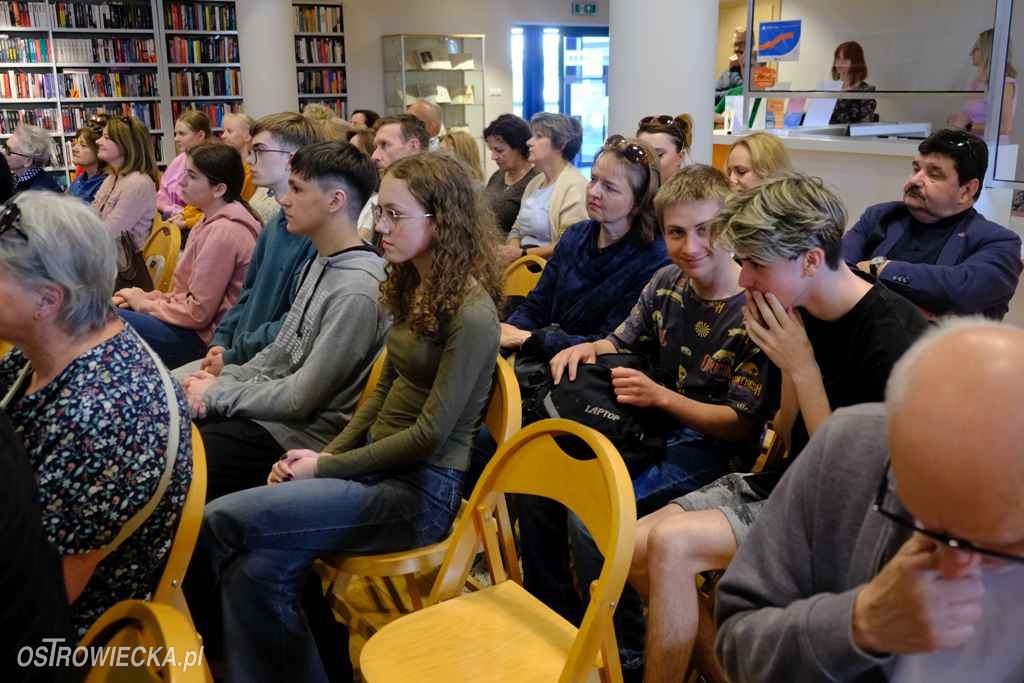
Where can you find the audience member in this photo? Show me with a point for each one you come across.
(393, 479)
(433, 119)
(506, 137)
(885, 554)
(28, 151)
(299, 392)
(362, 140)
(364, 118)
(834, 335)
(105, 427)
(208, 277)
(732, 76)
(708, 377)
(850, 68)
(754, 158)
(555, 198)
(190, 130)
(279, 255)
(464, 147)
(237, 133)
(601, 264)
(126, 201)
(671, 137)
(394, 138)
(91, 169)
(975, 110)
(933, 247)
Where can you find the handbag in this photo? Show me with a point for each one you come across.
(131, 266)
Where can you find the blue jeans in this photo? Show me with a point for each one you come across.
(175, 345)
(692, 460)
(256, 549)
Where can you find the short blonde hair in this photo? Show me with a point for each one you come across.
(768, 156)
(465, 149)
(240, 116)
(693, 183)
(781, 219)
(37, 141)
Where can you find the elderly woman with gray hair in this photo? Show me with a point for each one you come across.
(106, 430)
(556, 198)
(28, 151)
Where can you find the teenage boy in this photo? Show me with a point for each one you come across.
(300, 391)
(268, 290)
(709, 378)
(394, 138)
(834, 335)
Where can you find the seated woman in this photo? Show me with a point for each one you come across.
(849, 66)
(28, 151)
(506, 137)
(126, 201)
(975, 111)
(601, 264)
(463, 146)
(208, 278)
(754, 158)
(190, 130)
(363, 118)
(554, 199)
(393, 479)
(91, 169)
(102, 421)
(671, 138)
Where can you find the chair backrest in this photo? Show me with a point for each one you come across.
(374, 377)
(134, 623)
(504, 416)
(168, 588)
(5, 348)
(773, 450)
(522, 275)
(161, 253)
(598, 490)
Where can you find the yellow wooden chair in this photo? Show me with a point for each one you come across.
(503, 418)
(374, 377)
(135, 623)
(522, 275)
(5, 348)
(161, 253)
(501, 632)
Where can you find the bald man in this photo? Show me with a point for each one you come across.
(861, 571)
(432, 117)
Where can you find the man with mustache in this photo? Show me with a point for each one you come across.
(933, 247)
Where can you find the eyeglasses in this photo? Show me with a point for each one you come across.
(257, 151)
(10, 220)
(631, 150)
(944, 539)
(392, 216)
(9, 151)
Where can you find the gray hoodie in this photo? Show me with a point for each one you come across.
(303, 388)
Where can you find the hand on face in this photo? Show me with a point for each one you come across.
(778, 332)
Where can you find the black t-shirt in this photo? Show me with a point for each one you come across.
(31, 578)
(923, 242)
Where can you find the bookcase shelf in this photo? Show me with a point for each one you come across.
(319, 30)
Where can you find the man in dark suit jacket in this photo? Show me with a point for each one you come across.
(933, 247)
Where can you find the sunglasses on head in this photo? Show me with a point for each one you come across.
(630, 150)
(664, 120)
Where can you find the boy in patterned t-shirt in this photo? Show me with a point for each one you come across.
(709, 377)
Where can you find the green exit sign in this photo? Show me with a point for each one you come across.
(584, 8)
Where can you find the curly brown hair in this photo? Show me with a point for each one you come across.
(463, 250)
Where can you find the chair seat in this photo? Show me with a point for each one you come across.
(500, 633)
(390, 564)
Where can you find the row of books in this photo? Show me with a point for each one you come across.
(210, 50)
(205, 83)
(337, 105)
(92, 83)
(319, 50)
(105, 50)
(110, 15)
(42, 117)
(22, 85)
(317, 20)
(325, 81)
(25, 14)
(200, 17)
(36, 50)
(214, 111)
(76, 117)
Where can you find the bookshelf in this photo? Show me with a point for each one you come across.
(319, 31)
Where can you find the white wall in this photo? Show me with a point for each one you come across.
(266, 49)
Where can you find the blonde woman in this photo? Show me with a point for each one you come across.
(755, 158)
(972, 117)
(462, 145)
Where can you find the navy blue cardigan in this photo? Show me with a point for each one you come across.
(587, 292)
(976, 272)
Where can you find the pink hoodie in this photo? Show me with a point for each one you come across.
(208, 278)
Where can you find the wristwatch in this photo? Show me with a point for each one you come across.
(874, 264)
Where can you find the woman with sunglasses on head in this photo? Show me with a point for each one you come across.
(28, 151)
(91, 171)
(671, 138)
(600, 265)
(393, 479)
(208, 278)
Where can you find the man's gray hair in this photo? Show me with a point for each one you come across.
(901, 378)
(37, 142)
(565, 132)
(67, 247)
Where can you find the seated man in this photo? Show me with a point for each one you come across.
(268, 290)
(835, 337)
(933, 247)
(300, 391)
(394, 138)
(709, 379)
(923, 585)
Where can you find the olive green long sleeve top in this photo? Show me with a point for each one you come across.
(429, 399)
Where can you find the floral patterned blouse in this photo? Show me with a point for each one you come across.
(855, 111)
(96, 437)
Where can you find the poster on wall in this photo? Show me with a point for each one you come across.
(779, 40)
